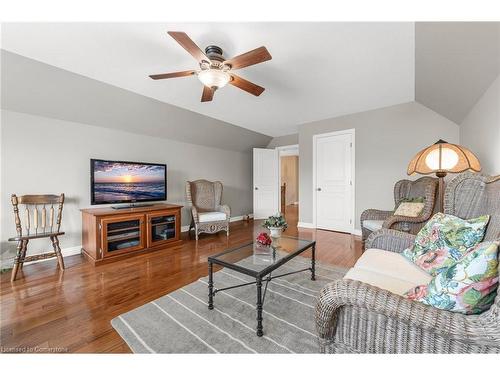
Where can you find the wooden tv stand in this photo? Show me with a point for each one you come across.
(109, 233)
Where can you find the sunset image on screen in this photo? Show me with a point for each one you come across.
(115, 181)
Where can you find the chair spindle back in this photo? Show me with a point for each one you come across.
(38, 214)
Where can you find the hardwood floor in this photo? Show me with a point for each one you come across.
(71, 311)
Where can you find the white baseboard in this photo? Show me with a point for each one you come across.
(66, 252)
(232, 219)
(301, 224)
(357, 232)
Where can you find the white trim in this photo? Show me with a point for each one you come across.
(75, 250)
(301, 224)
(232, 219)
(356, 232)
(352, 132)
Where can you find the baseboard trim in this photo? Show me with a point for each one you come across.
(301, 224)
(232, 219)
(356, 232)
(66, 252)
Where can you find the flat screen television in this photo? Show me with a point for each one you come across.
(127, 182)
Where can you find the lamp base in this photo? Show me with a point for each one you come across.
(441, 176)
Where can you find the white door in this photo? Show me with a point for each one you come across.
(265, 182)
(334, 187)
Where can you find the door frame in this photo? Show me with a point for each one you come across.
(282, 152)
(352, 132)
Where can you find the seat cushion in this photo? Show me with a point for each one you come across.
(373, 225)
(392, 284)
(205, 217)
(387, 270)
(393, 265)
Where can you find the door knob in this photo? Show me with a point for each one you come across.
(256, 188)
(318, 189)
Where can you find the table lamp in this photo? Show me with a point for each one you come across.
(442, 158)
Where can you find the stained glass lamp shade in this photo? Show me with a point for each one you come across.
(442, 158)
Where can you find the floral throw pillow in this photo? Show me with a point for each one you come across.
(444, 240)
(469, 286)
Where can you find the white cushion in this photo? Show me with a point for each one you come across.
(387, 270)
(393, 265)
(373, 225)
(205, 217)
(392, 284)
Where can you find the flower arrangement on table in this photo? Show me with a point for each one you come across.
(276, 224)
(264, 239)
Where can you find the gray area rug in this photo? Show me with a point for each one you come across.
(180, 322)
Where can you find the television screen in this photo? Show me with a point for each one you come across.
(126, 182)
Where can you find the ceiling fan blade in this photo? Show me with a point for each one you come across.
(189, 45)
(245, 85)
(173, 75)
(253, 57)
(208, 94)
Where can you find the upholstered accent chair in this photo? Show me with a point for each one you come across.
(372, 316)
(209, 215)
(372, 219)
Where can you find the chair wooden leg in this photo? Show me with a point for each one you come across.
(19, 259)
(23, 254)
(57, 250)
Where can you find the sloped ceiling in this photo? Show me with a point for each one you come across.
(319, 70)
(455, 63)
(33, 87)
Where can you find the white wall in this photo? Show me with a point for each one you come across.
(386, 140)
(480, 130)
(284, 140)
(44, 155)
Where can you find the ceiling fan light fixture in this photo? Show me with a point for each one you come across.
(214, 78)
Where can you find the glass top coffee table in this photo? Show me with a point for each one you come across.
(265, 260)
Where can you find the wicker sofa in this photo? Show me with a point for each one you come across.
(208, 214)
(372, 219)
(354, 316)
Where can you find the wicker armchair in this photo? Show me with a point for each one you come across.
(209, 215)
(352, 316)
(372, 219)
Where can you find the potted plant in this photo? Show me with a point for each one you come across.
(276, 224)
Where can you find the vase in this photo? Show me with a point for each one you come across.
(276, 231)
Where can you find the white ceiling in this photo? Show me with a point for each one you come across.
(318, 70)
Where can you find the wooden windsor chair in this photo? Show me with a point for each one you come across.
(40, 221)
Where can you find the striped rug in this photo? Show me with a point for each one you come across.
(180, 322)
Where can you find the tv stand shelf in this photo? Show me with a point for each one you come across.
(109, 234)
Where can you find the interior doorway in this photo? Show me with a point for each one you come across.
(289, 182)
(333, 181)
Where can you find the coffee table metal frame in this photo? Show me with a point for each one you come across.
(263, 276)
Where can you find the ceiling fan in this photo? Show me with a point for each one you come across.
(215, 71)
